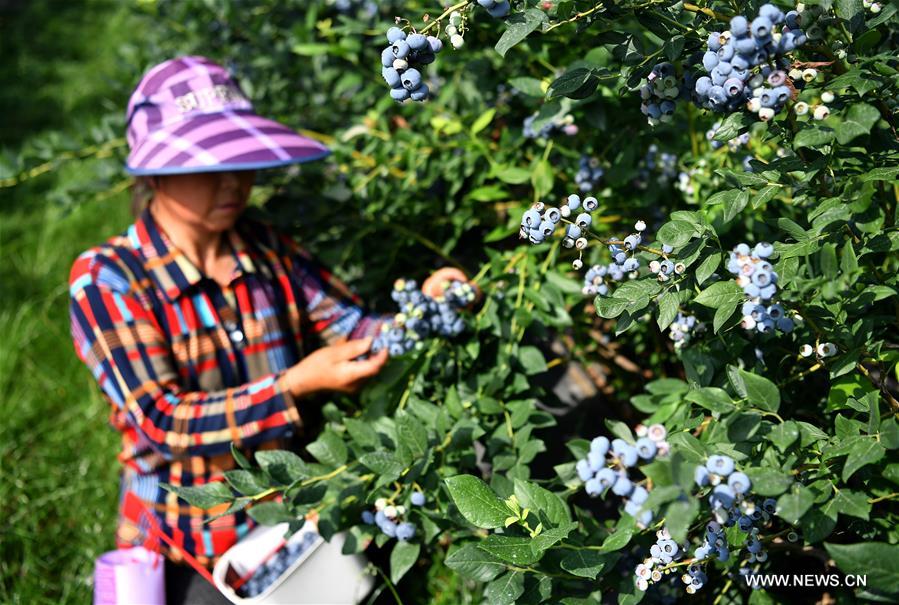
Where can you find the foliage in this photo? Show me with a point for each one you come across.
(451, 178)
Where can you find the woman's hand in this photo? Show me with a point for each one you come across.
(433, 286)
(333, 368)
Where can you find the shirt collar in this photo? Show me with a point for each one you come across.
(171, 269)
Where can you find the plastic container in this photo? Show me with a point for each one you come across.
(321, 575)
(129, 575)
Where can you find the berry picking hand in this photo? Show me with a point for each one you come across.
(433, 286)
(333, 368)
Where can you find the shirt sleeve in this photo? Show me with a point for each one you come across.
(335, 313)
(128, 354)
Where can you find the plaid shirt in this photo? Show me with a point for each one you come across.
(190, 366)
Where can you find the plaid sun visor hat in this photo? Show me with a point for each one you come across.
(189, 115)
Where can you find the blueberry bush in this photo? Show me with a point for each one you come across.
(695, 204)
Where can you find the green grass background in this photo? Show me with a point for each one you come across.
(58, 468)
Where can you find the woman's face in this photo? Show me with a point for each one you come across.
(208, 200)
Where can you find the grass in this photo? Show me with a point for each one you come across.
(58, 467)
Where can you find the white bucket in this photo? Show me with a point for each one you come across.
(321, 575)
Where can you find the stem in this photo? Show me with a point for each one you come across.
(390, 586)
(446, 13)
(724, 590)
(705, 11)
(882, 498)
(325, 477)
(887, 395)
(577, 16)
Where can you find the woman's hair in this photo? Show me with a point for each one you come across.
(141, 194)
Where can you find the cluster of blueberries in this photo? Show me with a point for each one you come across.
(733, 56)
(759, 282)
(656, 168)
(539, 222)
(565, 124)
(664, 269)
(390, 518)
(624, 263)
(657, 565)
(683, 328)
(730, 506)
(401, 60)
(266, 574)
(422, 316)
(589, 174)
(496, 8)
(607, 463)
(659, 93)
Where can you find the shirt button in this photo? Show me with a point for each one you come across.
(230, 326)
(236, 336)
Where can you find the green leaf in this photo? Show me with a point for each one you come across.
(520, 26)
(721, 294)
(758, 390)
(506, 589)
(784, 435)
(282, 466)
(679, 516)
(621, 537)
(412, 438)
(585, 563)
(676, 233)
(792, 506)
(477, 502)
(529, 86)
(862, 451)
(730, 127)
(578, 83)
(552, 536)
(768, 481)
(765, 195)
(203, 496)
(850, 11)
(270, 513)
(852, 503)
(511, 549)
(538, 499)
(883, 173)
(859, 120)
(402, 558)
(668, 304)
(860, 80)
(705, 269)
(736, 206)
(610, 307)
(472, 563)
(874, 560)
(532, 360)
(328, 449)
(813, 137)
(382, 463)
(542, 177)
(248, 483)
(711, 398)
(483, 121)
(238, 456)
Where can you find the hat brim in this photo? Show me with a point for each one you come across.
(225, 141)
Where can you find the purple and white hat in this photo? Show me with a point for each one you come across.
(189, 115)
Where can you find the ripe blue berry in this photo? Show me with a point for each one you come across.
(720, 465)
(418, 499)
(405, 531)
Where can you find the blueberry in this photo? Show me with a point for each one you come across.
(399, 94)
(552, 215)
(596, 461)
(411, 78)
(401, 49)
(417, 41)
(772, 13)
(646, 447)
(639, 495)
(703, 85)
(418, 499)
(761, 27)
(531, 218)
(746, 47)
(593, 487)
(632, 508)
(733, 87)
(387, 57)
(720, 465)
(628, 456)
(574, 202)
(739, 26)
(726, 52)
(583, 220)
(763, 250)
(623, 486)
(714, 41)
(701, 476)
(435, 43)
(584, 472)
(405, 531)
(606, 477)
(792, 19)
(487, 3)
(785, 324)
(500, 10)
(395, 34)
(724, 495)
(710, 60)
(391, 76)
(389, 528)
(368, 517)
(591, 204)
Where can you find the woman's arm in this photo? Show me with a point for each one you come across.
(129, 356)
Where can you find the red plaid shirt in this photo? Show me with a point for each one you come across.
(190, 366)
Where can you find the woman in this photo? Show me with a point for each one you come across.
(203, 328)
